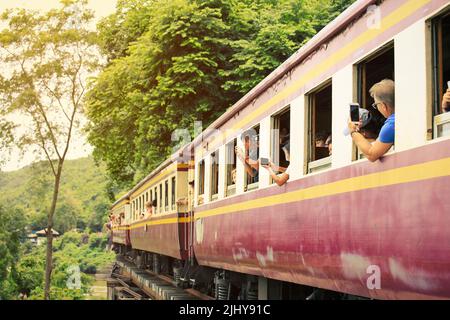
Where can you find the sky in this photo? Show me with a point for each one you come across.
(80, 148)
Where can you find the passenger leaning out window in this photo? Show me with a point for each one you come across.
(383, 94)
(271, 167)
(249, 156)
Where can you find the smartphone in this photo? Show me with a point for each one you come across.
(354, 112)
(264, 161)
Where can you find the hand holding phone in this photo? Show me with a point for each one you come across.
(354, 112)
(264, 161)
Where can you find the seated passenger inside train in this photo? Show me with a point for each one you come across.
(329, 143)
(249, 157)
(446, 101)
(233, 176)
(383, 94)
(149, 208)
(321, 142)
(183, 201)
(271, 167)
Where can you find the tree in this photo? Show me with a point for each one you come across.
(125, 26)
(12, 232)
(188, 61)
(49, 57)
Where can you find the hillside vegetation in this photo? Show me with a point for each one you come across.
(83, 202)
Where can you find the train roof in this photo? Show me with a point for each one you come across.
(327, 33)
(173, 158)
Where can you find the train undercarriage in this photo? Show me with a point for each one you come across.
(205, 283)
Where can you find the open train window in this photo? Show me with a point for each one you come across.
(230, 168)
(156, 198)
(173, 193)
(372, 70)
(319, 128)
(280, 139)
(166, 195)
(251, 139)
(160, 205)
(214, 175)
(201, 181)
(441, 72)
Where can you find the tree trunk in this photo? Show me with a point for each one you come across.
(49, 256)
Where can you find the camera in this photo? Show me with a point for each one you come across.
(264, 161)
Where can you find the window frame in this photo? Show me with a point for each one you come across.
(230, 189)
(254, 185)
(166, 195)
(361, 94)
(275, 135)
(173, 181)
(160, 204)
(438, 82)
(214, 155)
(201, 181)
(313, 166)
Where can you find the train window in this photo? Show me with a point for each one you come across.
(160, 198)
(372, 70)
(441, 72)
(151, 195)
(201, 181)
(251, 151)
(319, 128)
(173, 193)
(166, 195)
(156, 198)
(377, 67)
(230, 168)
(280, 138)
(214, 175)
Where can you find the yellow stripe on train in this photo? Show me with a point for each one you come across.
(423, 171)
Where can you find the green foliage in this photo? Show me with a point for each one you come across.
(12, 232)
(119, 30)
(87, 251)
(83, 201)
(48, 56)
(176, 62)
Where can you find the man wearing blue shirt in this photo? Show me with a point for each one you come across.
(384, 95)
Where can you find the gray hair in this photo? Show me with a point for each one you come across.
(385, 92)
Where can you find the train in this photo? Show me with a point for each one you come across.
(342, 227)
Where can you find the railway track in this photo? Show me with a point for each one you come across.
(128, 282)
